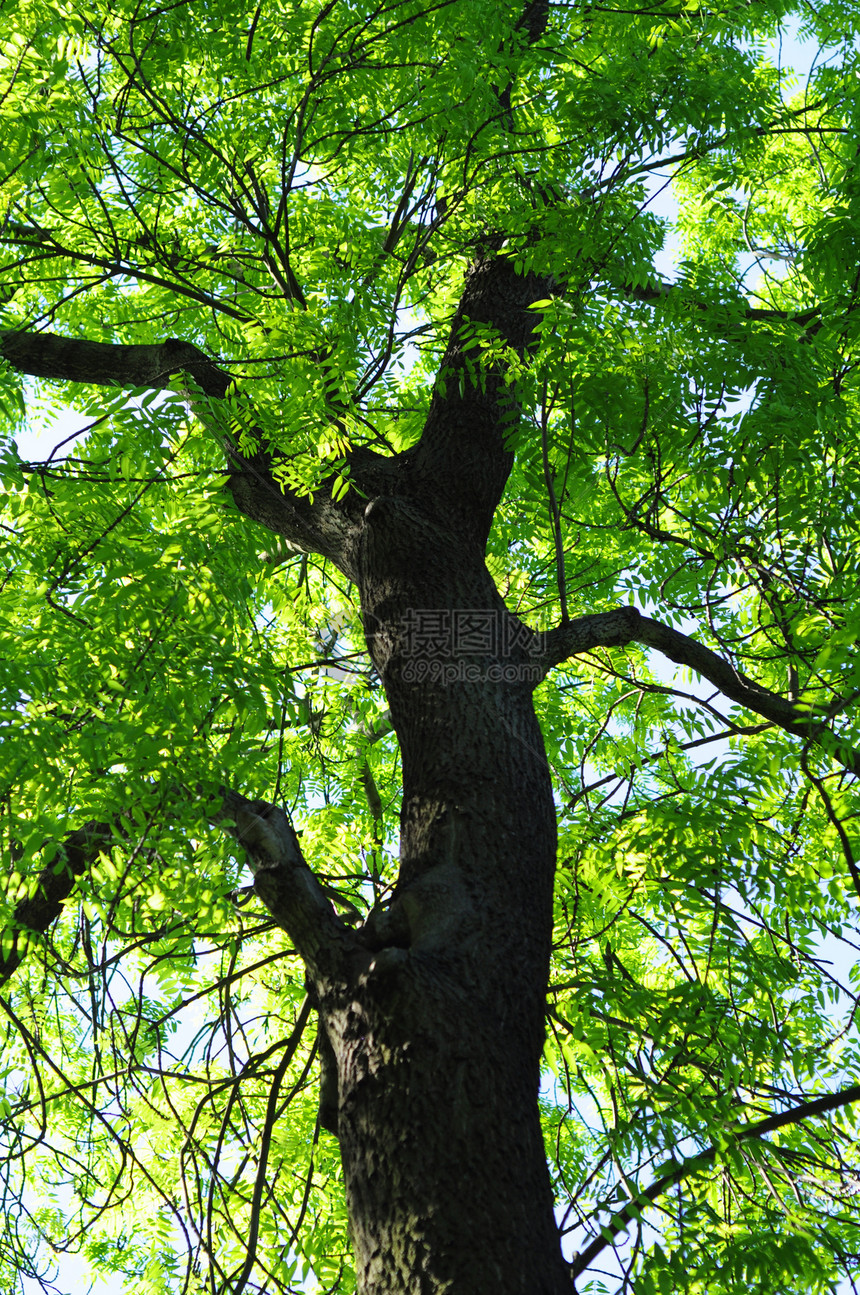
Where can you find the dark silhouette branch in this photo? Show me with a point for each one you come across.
(34, 914)
(265, 1144)
(74, 359)
(464, 456)
(288, 887)
(660, 291)
(626, 625)
(317, 524)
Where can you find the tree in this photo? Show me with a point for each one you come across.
(396, 444)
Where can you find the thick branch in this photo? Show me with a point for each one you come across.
(75, 359)
(736, 686)
(284, 882)
(662, 291)
(625, 625)
(533, 19)
(39, 911)
(736, 1136)
(317, 524)
(287, 886)
(463, 457)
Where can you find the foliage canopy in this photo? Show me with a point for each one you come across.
(297, 190)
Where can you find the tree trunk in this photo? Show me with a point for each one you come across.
(438, 1036)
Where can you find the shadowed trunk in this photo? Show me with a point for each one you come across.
(438, 1039)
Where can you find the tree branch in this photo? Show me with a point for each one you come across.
(625, 625)
(736, 1136)
(75, 359)
(463, 458)
(34, 914)
(316, 524)
(287, 886)
(662, 291)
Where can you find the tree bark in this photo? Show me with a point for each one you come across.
(438, 1030)
(438, 1039)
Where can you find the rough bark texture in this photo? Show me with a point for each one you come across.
(71, 359)
(439, 1039)
(437, 1031)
